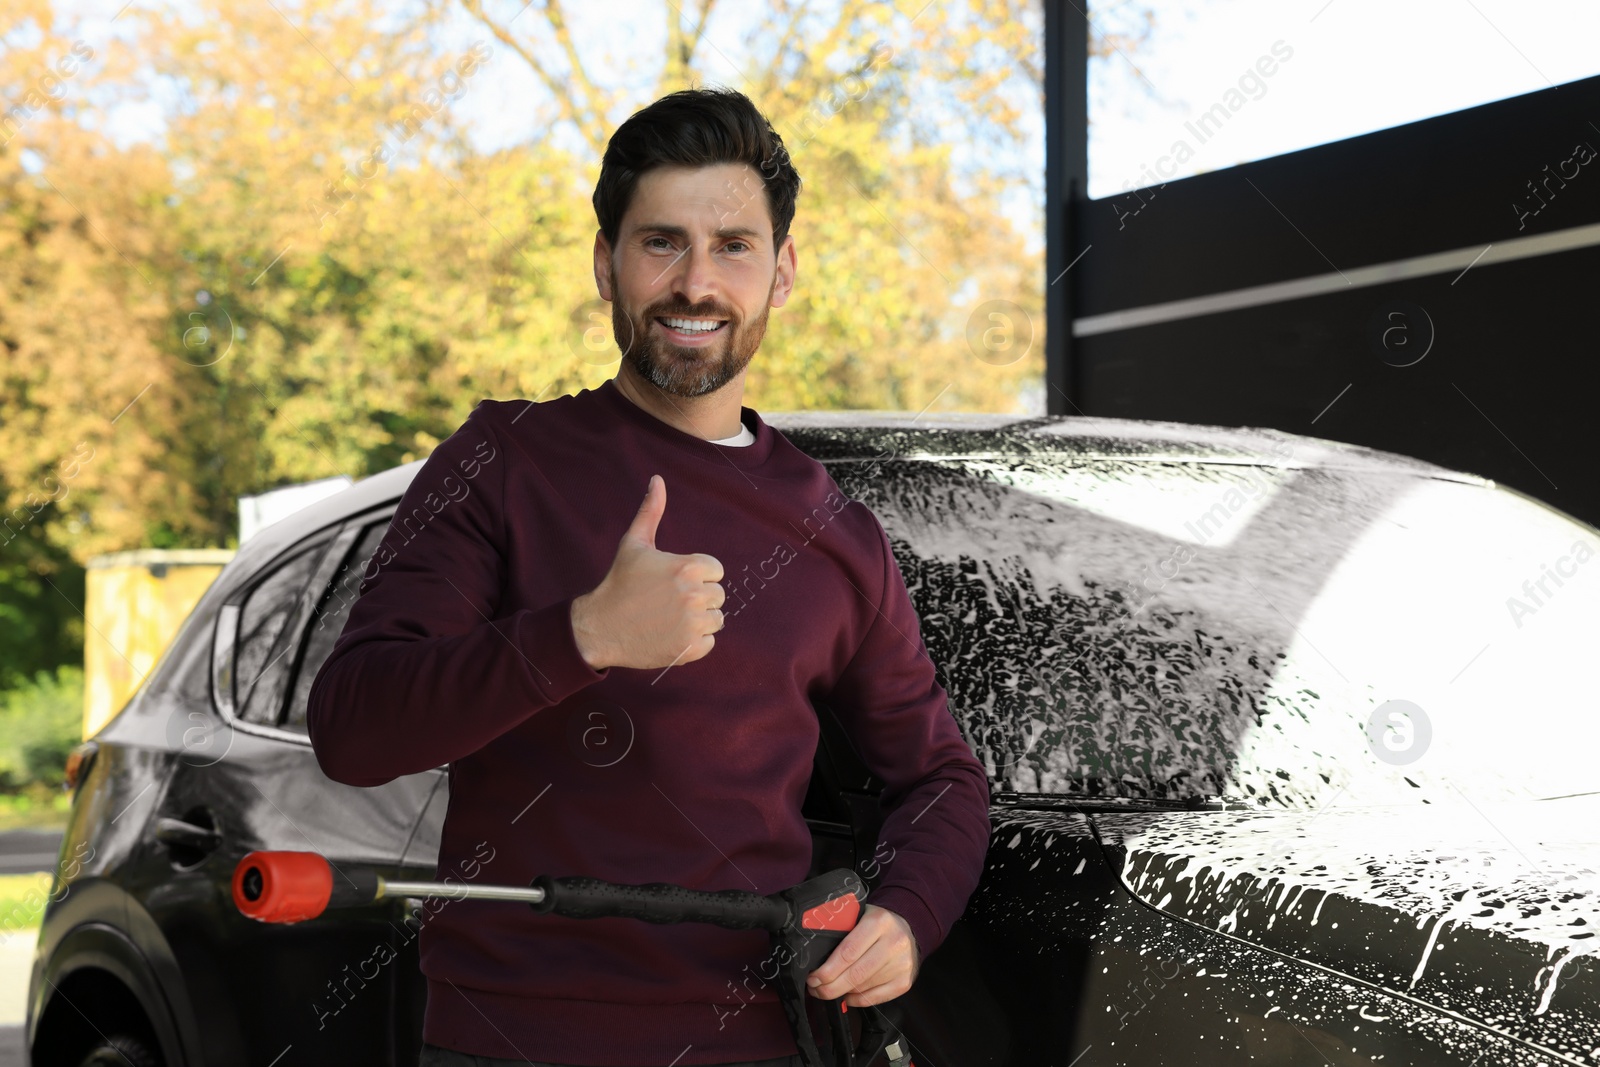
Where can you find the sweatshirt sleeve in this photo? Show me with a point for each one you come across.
(935, 834)
(427, 670)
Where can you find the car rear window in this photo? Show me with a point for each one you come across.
(1281, 633)
(327, 622)
(265, 643)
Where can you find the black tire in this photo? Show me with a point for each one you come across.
(121, 1050)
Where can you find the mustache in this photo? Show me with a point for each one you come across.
(691, 313)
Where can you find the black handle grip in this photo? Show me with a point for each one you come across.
(659, 902)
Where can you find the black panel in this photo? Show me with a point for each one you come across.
(1508, 339)
(1066, 74)
(1508, 377)
(1431, 186)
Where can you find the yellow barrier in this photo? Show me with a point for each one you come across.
(136, 601)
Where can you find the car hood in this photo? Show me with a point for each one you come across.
(1486, 911)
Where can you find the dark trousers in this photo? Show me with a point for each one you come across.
(434, 1056)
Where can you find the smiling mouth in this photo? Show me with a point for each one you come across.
(691, 327)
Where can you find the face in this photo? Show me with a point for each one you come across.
(693, 276)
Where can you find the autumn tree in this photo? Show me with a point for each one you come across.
(308, 267)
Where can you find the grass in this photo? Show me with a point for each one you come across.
(22, 901)
(35, 808)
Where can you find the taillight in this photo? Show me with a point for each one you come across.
(78, 762)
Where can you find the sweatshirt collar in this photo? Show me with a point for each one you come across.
(744, 456)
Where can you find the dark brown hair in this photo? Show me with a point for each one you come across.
(695, 128)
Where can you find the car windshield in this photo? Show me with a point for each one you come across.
(1280, 633)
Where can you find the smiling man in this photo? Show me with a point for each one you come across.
(556, 634)
(691, 351)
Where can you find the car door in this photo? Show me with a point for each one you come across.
(247, 779)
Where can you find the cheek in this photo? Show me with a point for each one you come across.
(753, 295)
(637, 284)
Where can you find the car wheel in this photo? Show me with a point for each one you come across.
(121, 1050)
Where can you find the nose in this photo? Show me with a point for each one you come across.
(693, 280)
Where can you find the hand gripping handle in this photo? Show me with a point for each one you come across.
(659, 902)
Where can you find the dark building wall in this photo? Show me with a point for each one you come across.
(1472, 237)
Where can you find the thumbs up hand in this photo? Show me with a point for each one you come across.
(653, 608)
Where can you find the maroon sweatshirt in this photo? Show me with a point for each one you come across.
(460, 650)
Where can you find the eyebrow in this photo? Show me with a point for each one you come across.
(680, 232)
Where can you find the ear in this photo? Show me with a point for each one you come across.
(786, 267)
(602, 265)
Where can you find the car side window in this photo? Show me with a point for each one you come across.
(327, 621)
(266, 642)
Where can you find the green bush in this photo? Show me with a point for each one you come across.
(40, 588)
(40, 723)
(36, 807)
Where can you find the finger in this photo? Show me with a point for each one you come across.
(697, 568)
(698, 608)
(705, 567)
(703, 596)
(890, 973)
(874, 967)
(866, 998)
(642, 529)
(699, 648)
(847, 984)
(844, 954)
(696, 592)
(855, 945)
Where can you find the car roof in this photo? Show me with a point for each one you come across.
(864, 436)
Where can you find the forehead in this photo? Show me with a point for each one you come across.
(700, 198)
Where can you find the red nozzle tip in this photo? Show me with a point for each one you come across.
(282, 887)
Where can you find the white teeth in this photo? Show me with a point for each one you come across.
(693, 325)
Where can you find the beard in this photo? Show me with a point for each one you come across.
(677, 369)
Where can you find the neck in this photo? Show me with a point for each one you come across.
(711, 417)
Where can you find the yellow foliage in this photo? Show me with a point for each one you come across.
(315, 273)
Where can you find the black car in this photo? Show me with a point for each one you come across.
(1291, 746)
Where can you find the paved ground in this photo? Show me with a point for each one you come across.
(25, 851)
(16, 957)
(12, 1054)
(21, 852)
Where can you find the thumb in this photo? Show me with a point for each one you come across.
(643, 528)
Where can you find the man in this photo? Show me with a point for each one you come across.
(640, 710)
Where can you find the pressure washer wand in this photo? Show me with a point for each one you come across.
(806, 922)
(290, 887)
